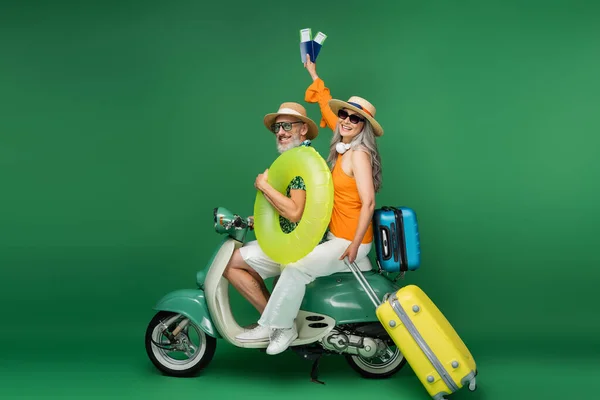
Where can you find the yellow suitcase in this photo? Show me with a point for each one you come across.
(431, 346)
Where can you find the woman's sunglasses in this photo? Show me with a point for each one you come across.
(287, 126)
(354, 118)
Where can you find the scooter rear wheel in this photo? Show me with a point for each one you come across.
(379, 367)
(197, 347)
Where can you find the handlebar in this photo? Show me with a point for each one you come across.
(232, 224)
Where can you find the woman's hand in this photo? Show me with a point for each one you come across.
(261, 180)
(311, 67)
(351, 252)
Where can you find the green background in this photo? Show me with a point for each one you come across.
(123, 124)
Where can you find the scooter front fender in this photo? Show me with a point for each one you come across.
(192, 304)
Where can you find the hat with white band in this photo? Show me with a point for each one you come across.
(293, 110)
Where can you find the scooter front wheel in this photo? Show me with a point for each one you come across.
(183, 354)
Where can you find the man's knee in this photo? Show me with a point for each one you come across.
(235, 262)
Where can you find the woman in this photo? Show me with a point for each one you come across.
(356, 174)
(354, 159)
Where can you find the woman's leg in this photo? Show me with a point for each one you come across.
(286, 299)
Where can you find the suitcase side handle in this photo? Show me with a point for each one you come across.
(363, 282)
(400, 242)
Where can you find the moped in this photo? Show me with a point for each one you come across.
(336, 316)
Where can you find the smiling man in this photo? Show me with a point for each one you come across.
(249, 266)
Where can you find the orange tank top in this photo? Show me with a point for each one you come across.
(346, 206)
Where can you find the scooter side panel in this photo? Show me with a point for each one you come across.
(192, 304)
(341, 297)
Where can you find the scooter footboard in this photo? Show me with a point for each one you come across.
(192, 304)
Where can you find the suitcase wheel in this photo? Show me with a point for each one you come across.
(473, 385)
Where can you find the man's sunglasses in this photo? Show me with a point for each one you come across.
(354, 118)
(287, 126)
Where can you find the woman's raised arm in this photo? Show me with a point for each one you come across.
(318, 93)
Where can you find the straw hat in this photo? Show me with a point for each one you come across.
(293, 110)
(360, 106)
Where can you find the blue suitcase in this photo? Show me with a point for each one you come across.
(396, 237)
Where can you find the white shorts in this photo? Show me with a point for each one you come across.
(259, 261)
(322, 261)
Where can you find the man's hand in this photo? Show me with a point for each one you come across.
(261, 180)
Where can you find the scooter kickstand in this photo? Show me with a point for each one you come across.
(314, 372)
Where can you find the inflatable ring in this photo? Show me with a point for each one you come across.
(285, 248)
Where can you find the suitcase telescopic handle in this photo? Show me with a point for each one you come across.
(363, 282)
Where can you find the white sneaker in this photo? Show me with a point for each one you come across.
(258, 334)
(281, 340)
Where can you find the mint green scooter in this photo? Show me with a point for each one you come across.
(336, 317)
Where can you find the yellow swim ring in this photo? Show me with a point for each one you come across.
(285, 248)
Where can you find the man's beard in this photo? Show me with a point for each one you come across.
(294, 143)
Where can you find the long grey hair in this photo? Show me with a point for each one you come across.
(365, 140)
